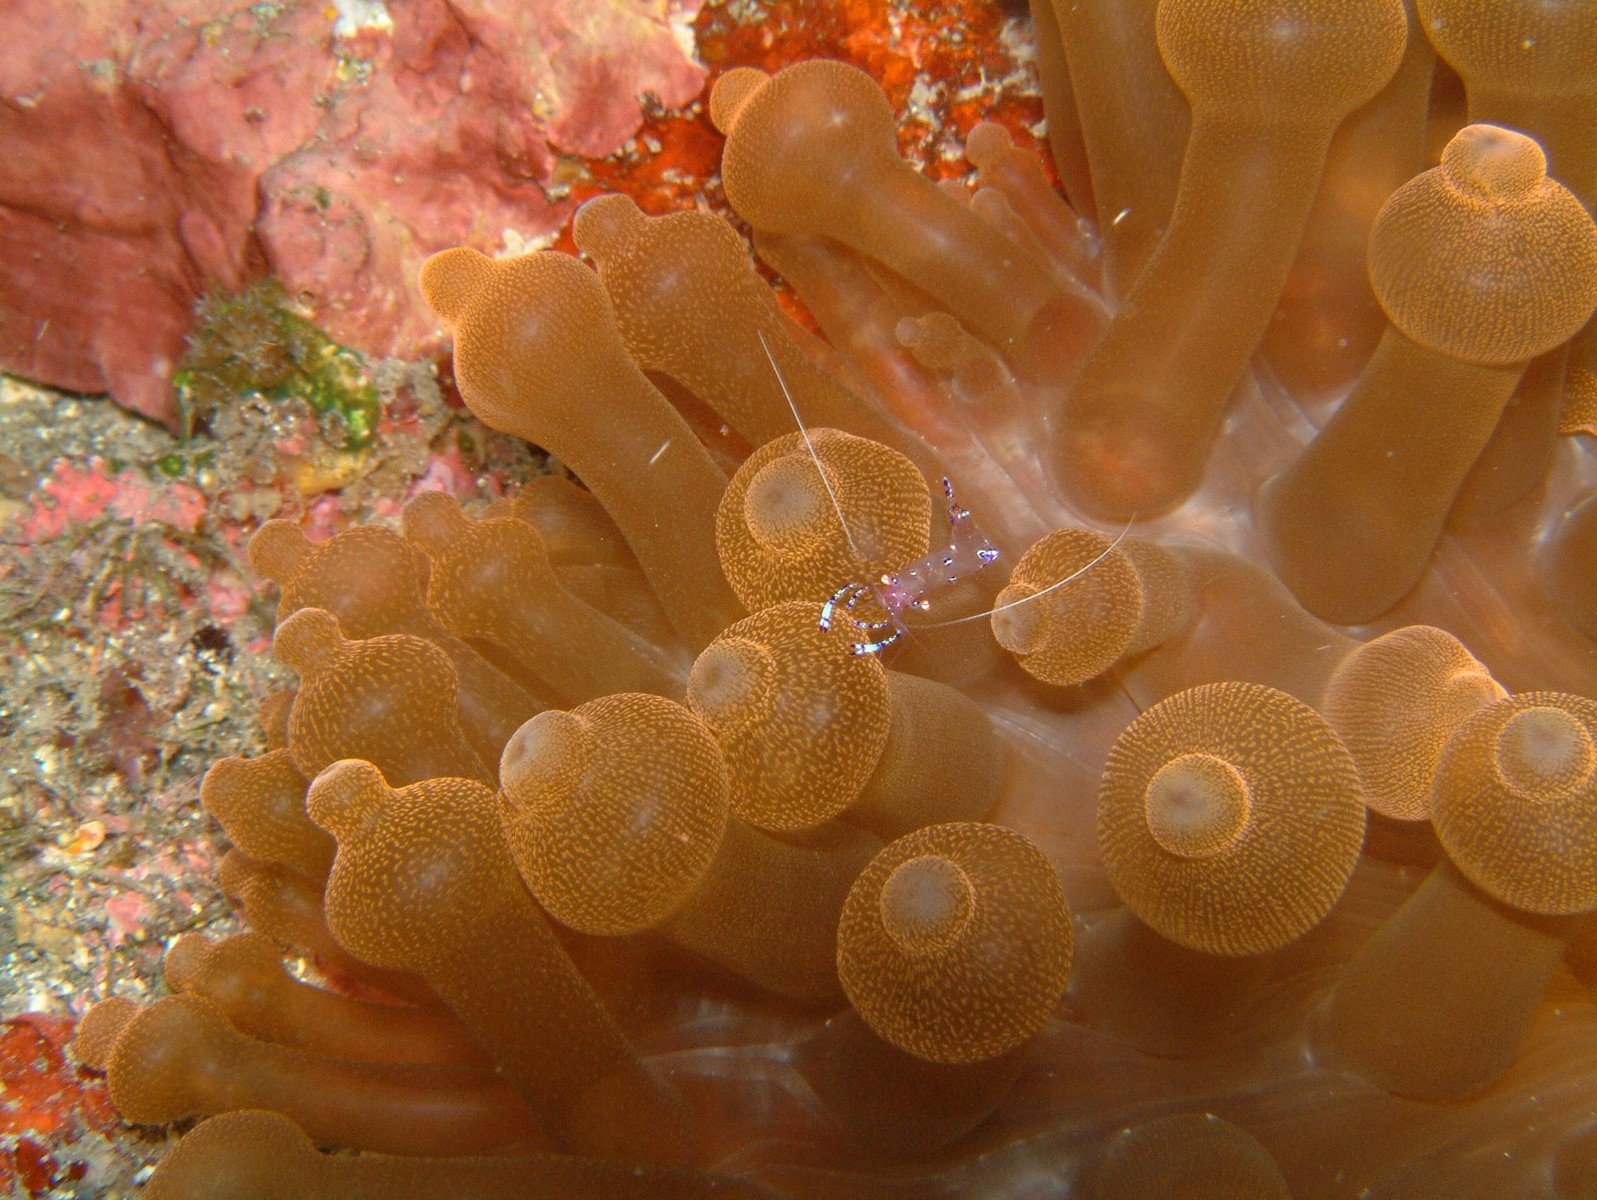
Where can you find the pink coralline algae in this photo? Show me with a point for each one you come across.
(75, 495)
(155, 151)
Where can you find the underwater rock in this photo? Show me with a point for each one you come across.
(159, 151)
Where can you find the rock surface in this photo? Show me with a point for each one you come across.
(156, 150)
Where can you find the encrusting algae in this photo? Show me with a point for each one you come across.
(255, 341)
(1037, 730)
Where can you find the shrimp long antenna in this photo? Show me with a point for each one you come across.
(805, 434)
(1058, 583)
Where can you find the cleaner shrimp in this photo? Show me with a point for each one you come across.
(911, 587)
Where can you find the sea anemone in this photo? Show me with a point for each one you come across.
(898, 767)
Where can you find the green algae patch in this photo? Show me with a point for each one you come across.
(254, 342)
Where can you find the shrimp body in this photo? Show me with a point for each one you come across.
(910, 587)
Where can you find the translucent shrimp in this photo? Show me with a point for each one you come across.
(968, 551)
